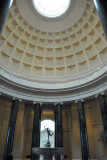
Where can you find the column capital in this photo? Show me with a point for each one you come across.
(41, 103)
(34, 102)
(20, 100)
(14, 98)
(96, 96)
(82, 100)
(38, 102)
(102, 93)
(56, 103)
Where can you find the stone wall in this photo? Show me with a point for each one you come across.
(71, 133)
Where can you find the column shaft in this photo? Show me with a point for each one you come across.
(55, 129)
(83, 132)
(101, 7)
(59, 130)
(11, 130)
(5, 6)
(36, 129)
(103, 107)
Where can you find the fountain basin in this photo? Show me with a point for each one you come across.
(48, 153)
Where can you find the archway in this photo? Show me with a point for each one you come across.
(47, 123)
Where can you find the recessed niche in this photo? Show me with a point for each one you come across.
(2, 39)
(34, 40)
(37, 32)
(80, 34)
(93, 35)
(71, 70)
(60, 72)
(25, 68)
(10, 16)
(99, 44)
(6, 31)
(8, 48)
(80, 56)
(38, 61)
(18, 31)
(19, 19)
(73, 38)
(98, 27)
(94, 61)
(65, 40)
(15, 11)
(12, 24)
(4, 58)
(14, 64)
(87, 27)
(58, 52)
(21, 44)
(85, 42)
(49, 52)
(26, 36)
(90, 51)
(18, 54)
(28, 58)
(40, 51)
(13, 38)
(92, 20)
(103, 54)
(58, 42)
(68, 50)
(49, 61)
(30, 48)
(24, 24)
(70, 60)
(77, 47)
(49, 72)
(37, 71)
(83, 66)
(59, 61)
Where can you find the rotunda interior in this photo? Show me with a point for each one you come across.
(53, 68)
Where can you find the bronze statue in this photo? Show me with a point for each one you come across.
(49, 132)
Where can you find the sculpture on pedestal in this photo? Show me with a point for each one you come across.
(49, 134)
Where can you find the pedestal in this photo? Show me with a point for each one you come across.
(47, 153)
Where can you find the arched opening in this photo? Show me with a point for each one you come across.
(47, 123)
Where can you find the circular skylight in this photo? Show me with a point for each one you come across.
(51, 8)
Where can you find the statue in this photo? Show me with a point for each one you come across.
(49, 134)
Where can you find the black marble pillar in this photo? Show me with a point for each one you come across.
(103, 107)
(101, 7)
(11, 130)
(58, 127)
(83, 132)
(36, 130)
(55, 128)
(5, 6)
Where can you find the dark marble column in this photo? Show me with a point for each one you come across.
(83, 132)
(58, 126)
(36, 130)
(55, 128)
(11, 131)
(5, 6)
(101, 7)
(103, 107)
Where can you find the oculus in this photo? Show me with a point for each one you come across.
(51, 8)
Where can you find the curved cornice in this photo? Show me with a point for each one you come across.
(84, 87)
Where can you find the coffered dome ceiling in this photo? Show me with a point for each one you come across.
(45, 48)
